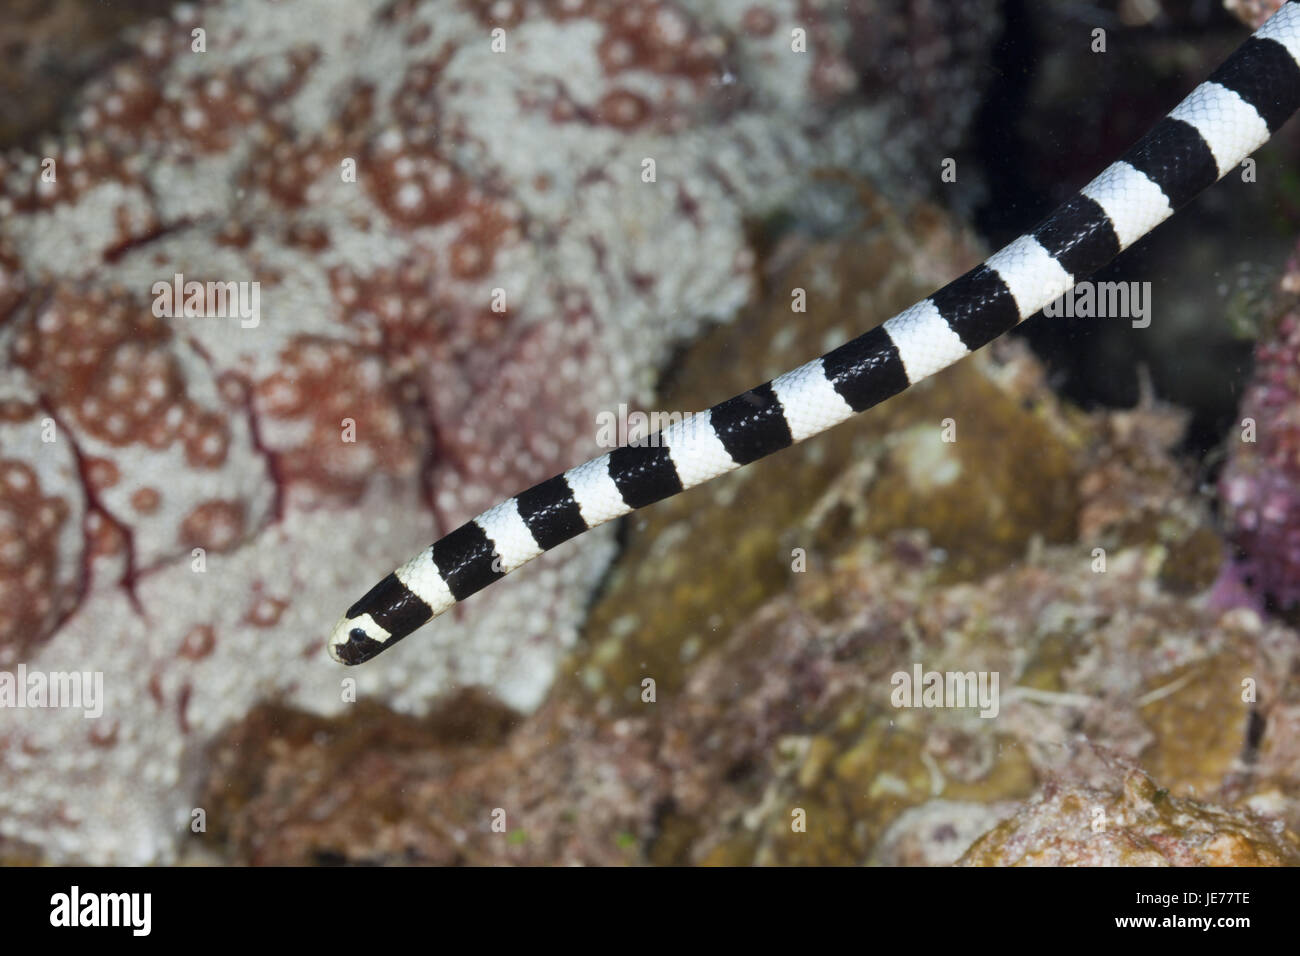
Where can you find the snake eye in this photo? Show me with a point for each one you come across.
(356, 648)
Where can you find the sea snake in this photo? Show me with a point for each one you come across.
(1207, 135)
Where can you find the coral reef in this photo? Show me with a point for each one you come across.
(187, 502)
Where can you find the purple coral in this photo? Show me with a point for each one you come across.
(1260, 487)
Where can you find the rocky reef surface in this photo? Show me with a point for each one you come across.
(732, 700)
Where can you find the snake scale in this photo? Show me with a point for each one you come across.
(1207, 135)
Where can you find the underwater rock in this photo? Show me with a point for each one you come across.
(1131, 823)
(472, 783)
(218, 489)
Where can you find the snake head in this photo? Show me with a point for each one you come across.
(355, 640)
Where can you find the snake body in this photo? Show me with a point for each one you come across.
(1206, 136)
